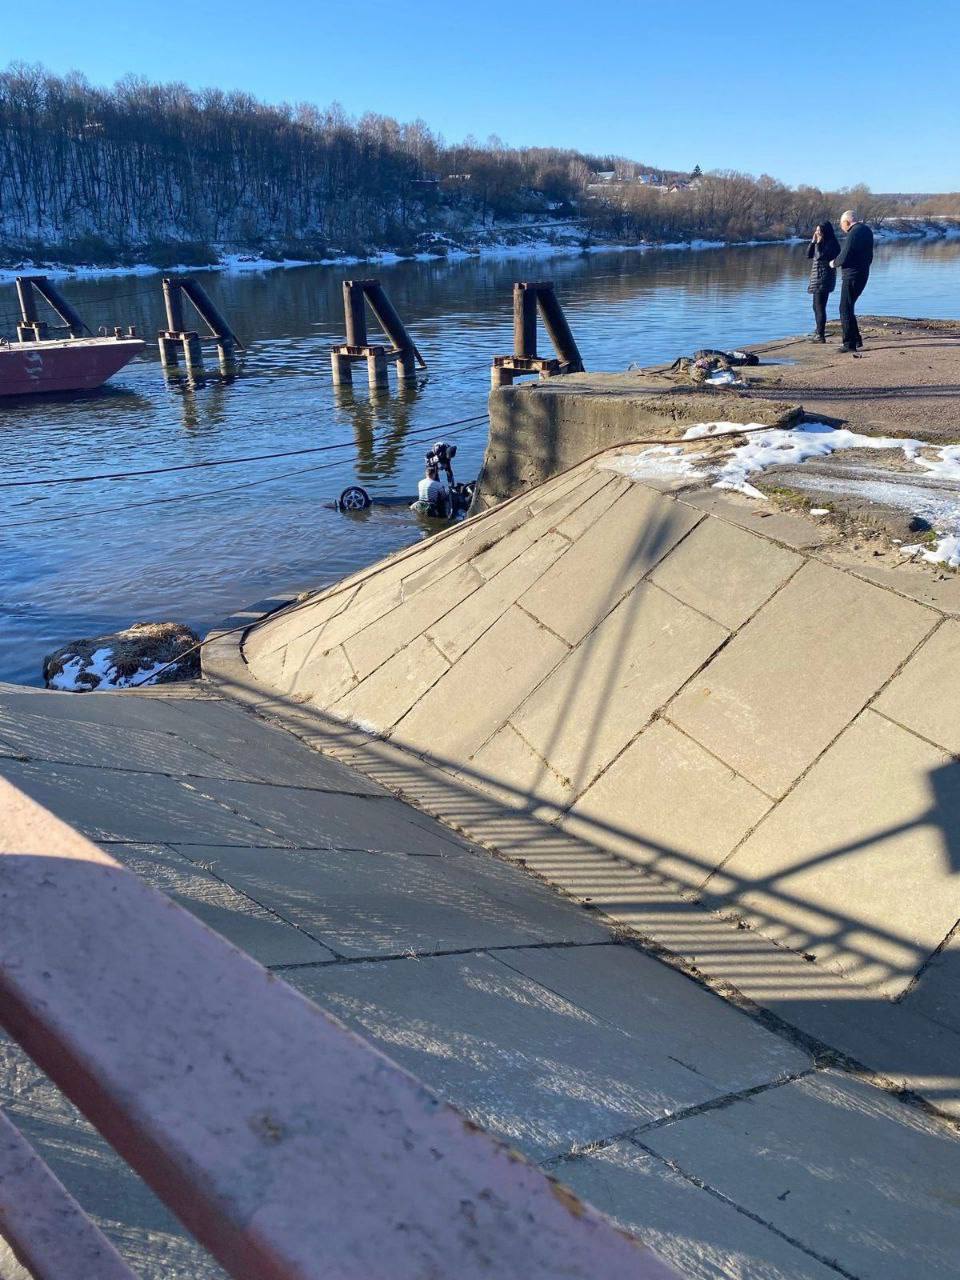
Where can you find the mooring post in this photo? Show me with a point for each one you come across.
(169, 351)
(353, 313)
(559, 330)
(525, 320)
(342, 369)
(377, 367)
(173, 304)
(192, 353)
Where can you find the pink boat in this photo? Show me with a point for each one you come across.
(67, 364)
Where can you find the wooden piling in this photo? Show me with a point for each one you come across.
(354, 313)
(525, 320)
(559, 330)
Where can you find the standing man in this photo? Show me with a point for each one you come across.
(854, 261)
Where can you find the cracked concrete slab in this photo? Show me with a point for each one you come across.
(855, 1176)
(874, 892)
(704, 1236)
(388, 903)
(247, 923)
(755, 705)
(525, 1059)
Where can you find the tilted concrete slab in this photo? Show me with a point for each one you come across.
(725, 572)
(628, 539)
(362, 904)
(390, 692)
(706, 1237)
(756, 705)
(670, 805)
(465, 706)
(862, 1181)
(925, 696)
(528, 1061)
(860, 864)
(250, 925)
(602, 693)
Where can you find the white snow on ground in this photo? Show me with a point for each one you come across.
(724, 378)
(100, 664)
(772, 446)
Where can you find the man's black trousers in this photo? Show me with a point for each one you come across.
(854, 283)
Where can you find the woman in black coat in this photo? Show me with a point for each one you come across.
(824, 247)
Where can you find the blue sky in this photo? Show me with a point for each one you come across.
(831, 95)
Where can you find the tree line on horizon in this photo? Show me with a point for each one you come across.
(164, 173)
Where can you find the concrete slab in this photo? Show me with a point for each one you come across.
(926, 584)
(468, 704)
(871, 889)
(309, 819)
(388, 694)
(704, 1236)
(253, 928)
(38, 737)
(603, 693)
(107, 805)
(725, 572)
(522, 1058)
(756, 706)
(668, 804)
(462, 626)
(628, 540)
(574, 525)
(924, 696)
(372, 646)
(388, 904)
(508, 768)
(798, 532)
(855, 1176)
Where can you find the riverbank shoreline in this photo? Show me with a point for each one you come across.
(513, 241)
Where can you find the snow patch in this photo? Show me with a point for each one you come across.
(946, 550)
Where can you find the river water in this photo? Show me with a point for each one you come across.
(193, 545)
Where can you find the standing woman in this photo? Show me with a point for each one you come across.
(824, 247)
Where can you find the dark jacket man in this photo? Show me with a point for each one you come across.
(854, 262)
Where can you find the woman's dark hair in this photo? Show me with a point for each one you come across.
(828, 234)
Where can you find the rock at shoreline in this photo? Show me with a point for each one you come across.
(136, 655)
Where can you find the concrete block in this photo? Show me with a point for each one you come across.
(668, 804)
(704, 1237)
(107, 804)
(854, 1176)
(858, 865)
(725, 572)
(388, 694)
(786, 685)
(607, 561)
(585, 515)
(603, 693)
(799, 532)
(925, 696)
(380, 904)
(508, 768)
(523, 1058)
(310, 819)
(372, 646)
(479, 693)
(458, 629)
(253, 928)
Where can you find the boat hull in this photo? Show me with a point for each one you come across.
(74, 364)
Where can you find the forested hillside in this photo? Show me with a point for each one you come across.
(163, 173)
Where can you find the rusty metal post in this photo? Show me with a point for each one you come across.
(557, 327)
(389, 320)
(173, 304)
(407, 366)
(207, 310)
(525, 320)
(354, 314)
(500, 377)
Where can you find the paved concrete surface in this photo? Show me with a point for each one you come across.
(503, 996)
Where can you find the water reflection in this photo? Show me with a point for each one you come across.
(213, 539)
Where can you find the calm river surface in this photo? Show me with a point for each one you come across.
(72, 564)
